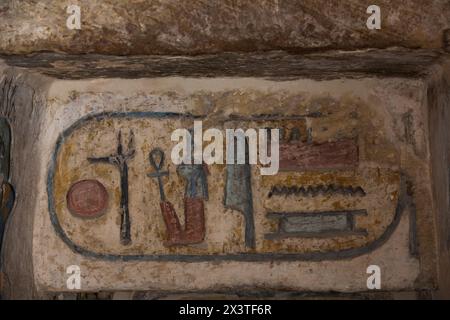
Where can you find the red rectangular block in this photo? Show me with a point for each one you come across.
(297, 156)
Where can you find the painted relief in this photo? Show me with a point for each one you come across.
(120, 161)
(334, 197)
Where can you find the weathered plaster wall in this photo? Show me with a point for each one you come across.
(92, 96)
(387, 115)
(439, 101)
(193, 27)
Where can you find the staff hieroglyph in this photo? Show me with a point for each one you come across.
(120, 160)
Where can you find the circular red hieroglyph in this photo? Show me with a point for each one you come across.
(87, 199)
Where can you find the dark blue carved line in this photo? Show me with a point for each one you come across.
(248, 257)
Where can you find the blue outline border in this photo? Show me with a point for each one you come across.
(247, 257)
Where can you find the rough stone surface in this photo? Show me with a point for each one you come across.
(197, 26)
(277, 66)
(439, 101)
(387, 115)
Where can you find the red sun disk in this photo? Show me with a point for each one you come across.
(87, 199)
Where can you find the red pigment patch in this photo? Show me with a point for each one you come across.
(87, 199)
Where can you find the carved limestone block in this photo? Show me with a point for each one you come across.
(362, 180)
